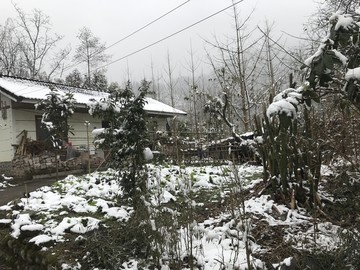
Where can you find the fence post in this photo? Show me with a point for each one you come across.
(87, 124)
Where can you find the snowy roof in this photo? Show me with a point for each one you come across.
(31, 91)
(154, 106)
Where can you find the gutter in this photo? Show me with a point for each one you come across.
(167, 114)
(34, 101)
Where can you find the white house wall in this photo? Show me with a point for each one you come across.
(161, 123)
(6, 132)
(77, 121)
(24, 119)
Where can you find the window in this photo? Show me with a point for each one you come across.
(105, 124)
(42, 134)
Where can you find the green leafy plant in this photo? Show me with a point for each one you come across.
(57, 109)
(291, 151)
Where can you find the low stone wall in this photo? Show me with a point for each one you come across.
(5, 168)
(26, 167)
(21, 255)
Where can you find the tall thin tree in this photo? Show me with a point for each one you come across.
(91, 52)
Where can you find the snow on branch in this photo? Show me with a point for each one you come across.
(319, 52)
(341, 20)
(322, 50)
(340, 56)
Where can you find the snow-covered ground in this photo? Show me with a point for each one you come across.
(78, 205)
(5, 182)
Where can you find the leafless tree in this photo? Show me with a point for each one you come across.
(155, 82)
(193, 84)
(249, 68)
(10, 57)
(237, 69)
(170, 82)
(90, 51)
(37, 43)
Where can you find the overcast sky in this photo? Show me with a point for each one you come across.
(111, 20)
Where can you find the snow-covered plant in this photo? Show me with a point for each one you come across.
(214, 107)
(291, 152)
(220, 108)
(291, 156)
(57, 109)
(240, 224)
(127, 139)
(164, 222)
(188, 218)
(126, 136)
(336, 63)
(289, 102)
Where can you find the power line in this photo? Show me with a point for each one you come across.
(129, 35)
(133, 33)
(169, 36)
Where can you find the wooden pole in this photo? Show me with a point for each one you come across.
(88, 144)
(57, 164)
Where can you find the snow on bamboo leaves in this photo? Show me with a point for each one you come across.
(340, 48)
(336, 59)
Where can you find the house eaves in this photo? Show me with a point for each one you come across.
(164, 114)
(10, 95)
(31, 91)
(34, 101)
